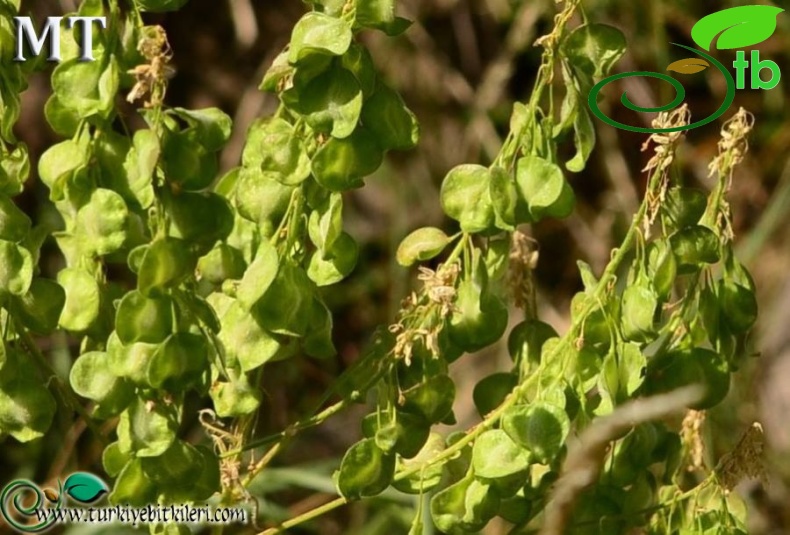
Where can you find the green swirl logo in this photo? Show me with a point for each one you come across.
(736, 27)
(36, 516)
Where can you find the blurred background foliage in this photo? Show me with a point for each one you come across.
(460, 67)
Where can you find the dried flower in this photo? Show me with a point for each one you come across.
(666, 145)
(744, 461)
(691, 435)
(524, 255)
(151, 77)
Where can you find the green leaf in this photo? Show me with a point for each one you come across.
(235, 398)
(542, 190)
(405, 436)
(594, 48)
(292, 286)
(16, 269)
(166, 262)
(223, 262)
(14, 170)
(662, 267)
(208, 480)
(427, 477)
(464, 507)
(14, 223)
(26, 406)
(160, 6)
(421, 245)
(139, 167)
(332, 266)
(63, 120)
(684, 207)
(466, 197)
(584, 139)
(259, 276)
(596, 324)
(737, 27)
(496, 456)
(130, 361)
(318, 341)
(319, 33)
(144, 319)
(212, 126)
(632, 363)
(175, 465)
(479, 318)
(358, 60)
(40, 308)
(341, 164)
(375, 13)
(147, 428)
(527, 338)
(187, 164)
(201, 219)
(693, 247)
(93, 377)
(539, 427)
(278, 72)
(491, 391)
(260, 199)
(639, 304)
(101, 224)
(432, 399)
(133, 487)
(114, 460)
(203, 312)
(684, 367)
(83, 299)
(325, 224)
(179, 362)
(738, 306)
(58, 163)
(365, 470)
(585, 369)
(390, 120)
(504, 198)
(84, 487)
(280, 152)
(245, 339)
(87, 87)
(331, 103)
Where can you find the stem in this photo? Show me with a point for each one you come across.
(309, 515)
(283, 437)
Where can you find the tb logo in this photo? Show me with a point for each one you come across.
(737, 27)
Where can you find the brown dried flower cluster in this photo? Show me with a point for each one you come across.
(152, 77)
(421, 314)
(691, 435)
(733, 147)
(524, 255)
(733, 144)
(745, 461)
(665, 146)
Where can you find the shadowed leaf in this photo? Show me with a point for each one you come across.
(689, 66)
